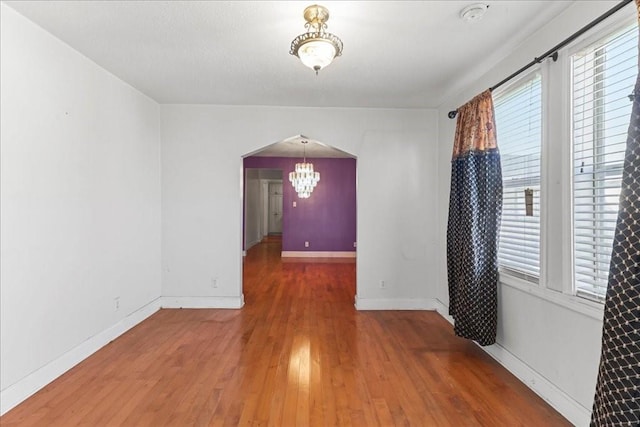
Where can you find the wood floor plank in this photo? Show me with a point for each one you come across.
(297, 354)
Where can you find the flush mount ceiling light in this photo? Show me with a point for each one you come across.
(303, 178)
(474, 12)
(316, 48)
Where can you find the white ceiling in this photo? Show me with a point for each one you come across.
(397, 54)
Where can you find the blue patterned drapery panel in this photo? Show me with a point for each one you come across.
(475, 205)
(617, 398)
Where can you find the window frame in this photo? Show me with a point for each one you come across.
(616, 23)
(508, 275)
(556, 284)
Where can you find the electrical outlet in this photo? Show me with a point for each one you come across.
(306, 244)
(214, 282)
(383, 284)
(295, 204)
(116, 304)
(355, 244)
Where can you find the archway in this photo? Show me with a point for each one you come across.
(314, 229)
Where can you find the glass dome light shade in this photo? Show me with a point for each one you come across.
(317, 53)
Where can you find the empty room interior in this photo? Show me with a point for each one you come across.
(345, 213)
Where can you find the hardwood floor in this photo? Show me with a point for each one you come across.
(297, 354)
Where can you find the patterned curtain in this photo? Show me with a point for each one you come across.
(617, 399)
(475, 207)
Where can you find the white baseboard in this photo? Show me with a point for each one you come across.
(442, 310)
(394, 304)
(23, 389)
(202, 302)
(16, 393)
(318, 254)
(249, 246)
(567, 406)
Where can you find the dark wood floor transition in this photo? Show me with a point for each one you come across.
(297, 354)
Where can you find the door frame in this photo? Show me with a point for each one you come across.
(242, 202)
(267, 205)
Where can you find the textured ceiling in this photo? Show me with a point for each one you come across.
(396, 54)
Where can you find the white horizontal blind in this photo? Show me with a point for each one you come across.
(603, 77)
(518, 112)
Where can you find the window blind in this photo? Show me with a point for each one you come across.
(518, 111)
(603, 77)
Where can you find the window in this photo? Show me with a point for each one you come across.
(518, 111)
(603, 75)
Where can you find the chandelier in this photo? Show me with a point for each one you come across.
(316, 48)
(303, 178)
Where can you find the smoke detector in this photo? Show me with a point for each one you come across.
(474, 12)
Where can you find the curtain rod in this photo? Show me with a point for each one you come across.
(553, 52)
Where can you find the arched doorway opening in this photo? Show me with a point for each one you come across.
(320, 228)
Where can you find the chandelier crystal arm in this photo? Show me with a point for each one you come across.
(303, 178)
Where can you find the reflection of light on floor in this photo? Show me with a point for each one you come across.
(300, 362)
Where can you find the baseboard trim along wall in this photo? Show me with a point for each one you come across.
(202, 302)
(558, 399)
(250, 245)
(16, 393)
(395, 304)
(318, 254)
(23, 389)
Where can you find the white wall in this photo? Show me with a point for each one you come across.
(82, 220)
(252, 208)
(80, 212)
(551, 338)
(202, 148)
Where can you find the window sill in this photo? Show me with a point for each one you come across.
(583, 306)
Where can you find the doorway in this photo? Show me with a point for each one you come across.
(274, 208)
(263, 210)
(289, 228)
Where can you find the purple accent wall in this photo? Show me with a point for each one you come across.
(327, 219)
